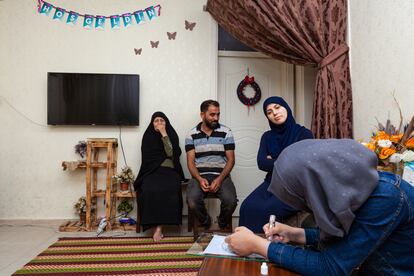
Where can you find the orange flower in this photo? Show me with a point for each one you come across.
(370, 146)
(385, 153)
(410, 143)
(396, 138)
(381, 135)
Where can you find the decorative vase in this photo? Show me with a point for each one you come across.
(82, 218)
(124, 186)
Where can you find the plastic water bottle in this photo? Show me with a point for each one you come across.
(101, 227)
(264, 270)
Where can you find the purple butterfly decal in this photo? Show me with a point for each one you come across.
(171, 35)
(189, 25)
(138, 51)
(154, 44)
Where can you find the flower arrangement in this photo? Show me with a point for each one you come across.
(391, 145)
(80, 148)
(125, 176)
(125, 207)
(80, 205)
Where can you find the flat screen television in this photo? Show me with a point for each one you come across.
(92, 99)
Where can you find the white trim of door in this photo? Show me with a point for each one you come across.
(213, 59)
(299, 78)
(242, 54)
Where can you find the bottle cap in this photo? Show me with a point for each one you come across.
(264, 269)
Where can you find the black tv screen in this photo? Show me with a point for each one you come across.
(92, 99)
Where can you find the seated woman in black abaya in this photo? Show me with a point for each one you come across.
(159, 178)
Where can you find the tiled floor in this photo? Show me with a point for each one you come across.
(21, 241)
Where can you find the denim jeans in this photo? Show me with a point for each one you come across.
(379, 242)
(226, 193)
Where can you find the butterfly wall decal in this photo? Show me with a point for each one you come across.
(154, 44)
(189, 25)
(138, 51)
(171, 35)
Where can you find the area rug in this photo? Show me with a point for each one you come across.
(115, 256)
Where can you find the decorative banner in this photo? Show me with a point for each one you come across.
(46, 8)
(139, 17)
(127, 18)
(115, 21)
(72, 18)
(88, 22)
(59, 13)
(100, 22)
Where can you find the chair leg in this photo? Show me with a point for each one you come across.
(138, 225)
(190, 220)
(195, 228)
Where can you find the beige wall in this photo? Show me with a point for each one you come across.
(175, 78)
(382, 61)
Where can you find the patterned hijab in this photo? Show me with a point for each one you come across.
(285, 134)
(332, 178)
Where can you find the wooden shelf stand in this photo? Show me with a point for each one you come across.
(93, 147)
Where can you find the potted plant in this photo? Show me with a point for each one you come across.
(124, 178)
(80, 148)
(80, 207)
(125, 207)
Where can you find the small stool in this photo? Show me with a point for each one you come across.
(194, 224)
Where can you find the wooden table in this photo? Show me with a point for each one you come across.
(226, 266)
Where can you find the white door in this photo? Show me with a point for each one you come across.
(275, 78)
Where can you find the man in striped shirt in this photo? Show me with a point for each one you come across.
(210, 158)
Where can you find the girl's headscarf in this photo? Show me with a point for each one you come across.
(332, 178)
(152, 150)
(285, 134)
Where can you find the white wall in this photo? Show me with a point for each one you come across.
(175, 78)
(382, 61)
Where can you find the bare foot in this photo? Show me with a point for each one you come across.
(157, 234)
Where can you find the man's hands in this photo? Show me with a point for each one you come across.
(207, 187)
(215, 184)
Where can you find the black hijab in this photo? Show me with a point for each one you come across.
(332, 178)
(152, 150)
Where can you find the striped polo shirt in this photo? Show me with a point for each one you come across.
(210, 151)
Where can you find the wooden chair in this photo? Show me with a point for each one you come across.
(194, 224)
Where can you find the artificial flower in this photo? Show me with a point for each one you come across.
(381, 135)
(396, 138)
(384, 143)
(396, 158)
(410, 143)
(385, 153)
(408, 156)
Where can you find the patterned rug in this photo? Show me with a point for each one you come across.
(115, 256)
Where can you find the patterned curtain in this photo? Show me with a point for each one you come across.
(301, 32)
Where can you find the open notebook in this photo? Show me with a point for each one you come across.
(218, 246)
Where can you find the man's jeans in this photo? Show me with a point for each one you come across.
(226, 193)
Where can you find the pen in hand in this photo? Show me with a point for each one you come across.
(272, 223)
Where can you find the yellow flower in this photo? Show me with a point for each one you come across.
(385, 153)
(381, 135)
(396, 138)
(370, 146)
(410, 143)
